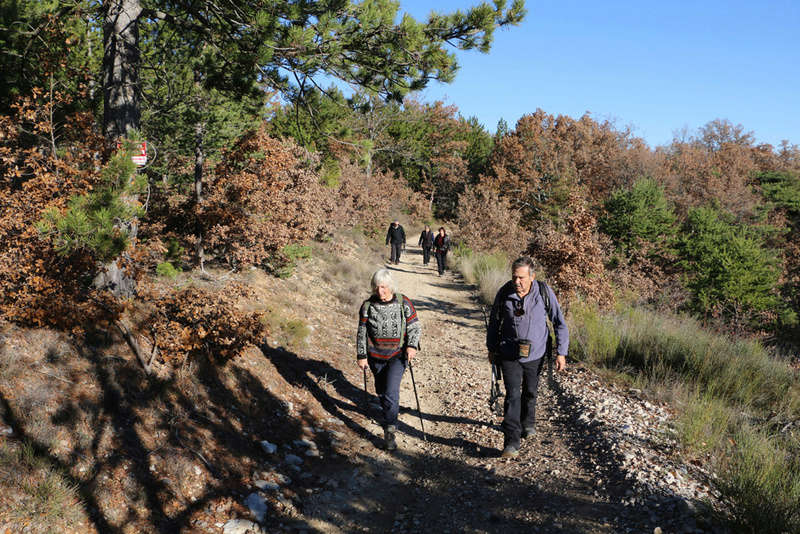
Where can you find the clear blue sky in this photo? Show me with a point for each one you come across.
(655, 66)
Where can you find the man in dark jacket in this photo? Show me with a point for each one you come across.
(517, 340)
(396, 237)
(426, 242)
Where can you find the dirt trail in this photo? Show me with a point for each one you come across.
(455, 481)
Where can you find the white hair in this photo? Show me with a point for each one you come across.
(382, 277)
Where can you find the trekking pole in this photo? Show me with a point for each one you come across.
(419, 410)
(366, 400)
(497, 375)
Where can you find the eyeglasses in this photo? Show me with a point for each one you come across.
(519, 307)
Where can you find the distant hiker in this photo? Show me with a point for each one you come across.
(517, 339)
(441, 244)
(396, 237)
(388, 337)
(426, 242)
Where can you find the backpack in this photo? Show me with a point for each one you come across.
(548, 352)
(402, 315)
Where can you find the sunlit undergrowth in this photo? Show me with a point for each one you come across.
(735, 403)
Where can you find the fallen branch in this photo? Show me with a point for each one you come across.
(133, 344)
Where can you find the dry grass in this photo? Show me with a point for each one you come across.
(37, 495)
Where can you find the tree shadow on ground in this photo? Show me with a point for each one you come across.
(448, 495)
(172, 447)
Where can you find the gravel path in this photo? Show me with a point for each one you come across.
(601, 460)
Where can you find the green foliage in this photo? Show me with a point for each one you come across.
(97, 222)
(296, 251)
(761, 481)
(175, 252)
(166, 269)
(719, 384)
(728, 268)
(331, 172)
(638, 215)
(671, 349)
(781, 188)
(290, 255)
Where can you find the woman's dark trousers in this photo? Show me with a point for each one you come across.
(426, 255)
(441, 261)
(522, 384)
(387, 385)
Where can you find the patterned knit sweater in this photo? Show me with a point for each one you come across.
(379, 328)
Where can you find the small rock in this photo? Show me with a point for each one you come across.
(268, 447)
(265, 485)
(257, 506)
(293, 459)
(241, 526)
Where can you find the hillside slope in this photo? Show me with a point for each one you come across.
(89, 444)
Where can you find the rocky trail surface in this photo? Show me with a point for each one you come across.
(602, 459)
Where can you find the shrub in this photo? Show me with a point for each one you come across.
(167, 270)
(730, 272)
(192, 321)
(638, 215)
(487, 222)
(782, 188)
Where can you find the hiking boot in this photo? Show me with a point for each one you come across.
(510, 451)
(528, 431)
(389, 442)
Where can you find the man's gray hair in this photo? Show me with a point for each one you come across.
(523, 261)
(382, 277)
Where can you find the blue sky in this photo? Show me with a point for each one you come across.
(658, 67)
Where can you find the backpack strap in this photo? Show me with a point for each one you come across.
(545, 294)
(402, 319)
(545, 297)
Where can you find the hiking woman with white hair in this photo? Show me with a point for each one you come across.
(388, 337)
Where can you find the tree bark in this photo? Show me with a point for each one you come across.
(121, 59)
(199, 160)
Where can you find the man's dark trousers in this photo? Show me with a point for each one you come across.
(397, 248)
(387, 385)
(522, 384)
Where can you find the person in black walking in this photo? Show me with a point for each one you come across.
(396, 237)
(426, 242)
(441, 245)
(518, 339)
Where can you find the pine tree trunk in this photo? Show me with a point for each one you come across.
(199, 159)
(121, 110)
(121, 58)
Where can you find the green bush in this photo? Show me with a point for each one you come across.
(638, 215)
(730, 271)
(782, 188)
(296, 251)
(331, 173)
(91, 221)
(167, 270)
